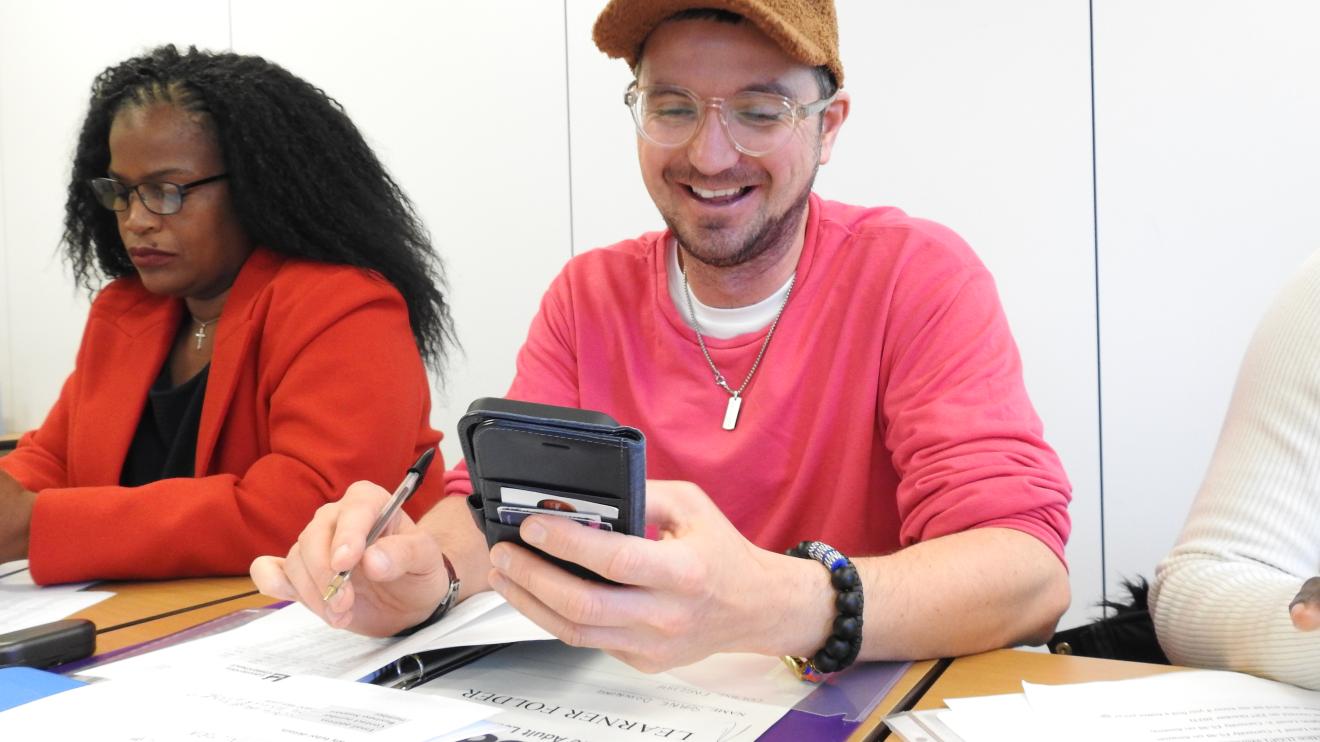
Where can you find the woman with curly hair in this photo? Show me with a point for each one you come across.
(259, 344)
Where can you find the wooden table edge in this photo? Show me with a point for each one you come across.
(1003, 671)
(138, 632)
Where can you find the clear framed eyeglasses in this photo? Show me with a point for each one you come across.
(757, 123)
(159, 197)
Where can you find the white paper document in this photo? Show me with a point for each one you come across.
(294, 641)
(1205, 706)
(921, 726)
(1006, 718)
(240, 709)
(23, 603)
(547, 690)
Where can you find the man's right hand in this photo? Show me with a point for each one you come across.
(396, 583)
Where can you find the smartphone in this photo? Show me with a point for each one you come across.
(532, 459)
(49, 644)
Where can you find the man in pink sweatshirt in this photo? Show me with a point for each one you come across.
(803, 370)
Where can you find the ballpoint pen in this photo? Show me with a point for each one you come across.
(413, 670)
(410, 483)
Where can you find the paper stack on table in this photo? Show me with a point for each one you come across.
(230, 707)
(285, 676)
(547, 690)
(24, 604)
(287, 664)
(294, 641)
(1202, 705)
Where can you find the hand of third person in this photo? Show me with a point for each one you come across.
(1305, 608)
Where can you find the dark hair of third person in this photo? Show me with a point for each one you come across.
(302, 179)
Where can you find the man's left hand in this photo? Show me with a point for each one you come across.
(703, 588)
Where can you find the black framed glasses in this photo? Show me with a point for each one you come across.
(757, 122)
(159, 197)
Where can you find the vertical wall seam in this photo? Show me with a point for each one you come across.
(568, 136)
(1099, 367)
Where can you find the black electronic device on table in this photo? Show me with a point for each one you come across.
(48, 644)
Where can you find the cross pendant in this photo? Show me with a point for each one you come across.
(200, 335)
(731, 412)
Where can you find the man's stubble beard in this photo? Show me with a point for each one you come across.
(775, 232)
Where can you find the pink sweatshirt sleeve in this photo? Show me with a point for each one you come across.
(965, 438)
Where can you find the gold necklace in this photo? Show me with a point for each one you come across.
(201, 329)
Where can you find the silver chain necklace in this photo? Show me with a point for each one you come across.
(735, 395)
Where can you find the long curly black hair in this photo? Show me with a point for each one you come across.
(303, 180)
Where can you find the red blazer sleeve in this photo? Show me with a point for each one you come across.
(38, 461)
(326, 388)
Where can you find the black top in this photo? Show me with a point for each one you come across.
(165, 444)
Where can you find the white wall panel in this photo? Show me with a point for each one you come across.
(467, 109)
(49, 53)
(610, 203)
(977, 115)
(6, 313)
(1207, 155)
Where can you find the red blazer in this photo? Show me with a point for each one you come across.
(315, 383)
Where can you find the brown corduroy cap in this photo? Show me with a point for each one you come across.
(806, 30)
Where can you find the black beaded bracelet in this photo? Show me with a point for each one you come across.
(845, 641)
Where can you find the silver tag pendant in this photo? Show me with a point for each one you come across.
(731, 412)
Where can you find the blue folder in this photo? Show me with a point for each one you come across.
(18, 685)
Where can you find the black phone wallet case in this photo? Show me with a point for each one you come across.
(525, 458)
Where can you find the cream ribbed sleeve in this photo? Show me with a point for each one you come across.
(1253, 536)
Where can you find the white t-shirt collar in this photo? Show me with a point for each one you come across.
(717, 322)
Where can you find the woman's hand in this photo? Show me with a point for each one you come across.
(16, 504)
